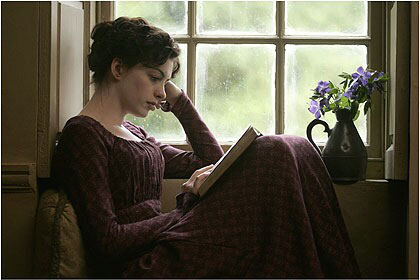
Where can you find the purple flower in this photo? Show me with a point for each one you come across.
(325, 102)
(352, 91)
(380, 74)
(323, 87)
(348, 93)
(315, 109)
(353, 96)
(357, 88)
(378, 85)
(361, 76)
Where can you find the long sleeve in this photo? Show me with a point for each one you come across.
(81, 167)
(206, 149)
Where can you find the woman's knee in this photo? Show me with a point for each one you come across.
(275, 144)
(268, 142)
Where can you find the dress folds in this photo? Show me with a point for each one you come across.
(273, 214)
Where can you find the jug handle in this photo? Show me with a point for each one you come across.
(309, 131)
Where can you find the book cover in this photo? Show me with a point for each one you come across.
(229, 158)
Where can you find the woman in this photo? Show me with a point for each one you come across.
(274, 213)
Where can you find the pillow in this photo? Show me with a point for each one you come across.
(59, 251)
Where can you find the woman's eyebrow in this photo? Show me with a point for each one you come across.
(161, 72)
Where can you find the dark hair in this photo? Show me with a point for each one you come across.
(134, 41)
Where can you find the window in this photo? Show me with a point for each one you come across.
(256, 62)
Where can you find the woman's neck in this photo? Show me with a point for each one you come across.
(105, 108)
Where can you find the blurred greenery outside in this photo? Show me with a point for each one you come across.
(235, 83)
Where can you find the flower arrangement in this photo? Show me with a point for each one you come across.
(357, 89)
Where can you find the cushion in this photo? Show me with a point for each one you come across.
(59, 251)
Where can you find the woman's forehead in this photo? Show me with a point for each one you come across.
(165, 69)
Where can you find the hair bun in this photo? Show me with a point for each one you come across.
(133, 41)
(101, 29)
(125, 23)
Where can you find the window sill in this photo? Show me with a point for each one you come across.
(375, 168)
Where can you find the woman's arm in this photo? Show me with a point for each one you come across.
(81, 167)
(182, 164)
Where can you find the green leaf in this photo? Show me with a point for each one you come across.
(383, 79)
(363, 98)
(366, 107)
(344, 103)
(354, 108)
(357, 115)
(345, 75)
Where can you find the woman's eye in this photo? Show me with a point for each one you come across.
(154, 78)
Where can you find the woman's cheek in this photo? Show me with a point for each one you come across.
(142, 82)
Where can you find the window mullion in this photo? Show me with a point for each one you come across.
(191, 69)
(375, 125)
(326, 41)
(192, 11)
(191, 54)
(279, 91)
(279, 88)
(191, 58)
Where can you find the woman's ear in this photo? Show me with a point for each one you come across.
(118, 69)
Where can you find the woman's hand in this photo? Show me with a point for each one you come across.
(193, 184)
(172, 92)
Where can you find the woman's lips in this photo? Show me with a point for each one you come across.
(152, 106)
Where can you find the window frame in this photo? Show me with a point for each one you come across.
(376, 59)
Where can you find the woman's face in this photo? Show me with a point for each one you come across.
(140, 87)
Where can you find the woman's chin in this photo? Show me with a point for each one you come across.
(140, 114)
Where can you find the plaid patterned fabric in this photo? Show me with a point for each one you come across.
(274, 213)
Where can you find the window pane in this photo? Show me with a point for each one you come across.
(171, 16)
(164, 126)
(326, 18)
(236, 18)
(235, 88)
(305, 66)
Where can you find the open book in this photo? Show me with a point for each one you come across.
(229, 158)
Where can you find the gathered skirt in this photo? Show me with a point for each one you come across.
(273, 214)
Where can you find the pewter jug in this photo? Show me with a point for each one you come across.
(344, 153)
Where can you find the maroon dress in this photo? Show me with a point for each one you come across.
(274, 213)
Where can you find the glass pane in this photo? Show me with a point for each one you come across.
(326, 18)
(236, 87)
(171, 16)
(164, 126)
(305, 66)
(236, 18)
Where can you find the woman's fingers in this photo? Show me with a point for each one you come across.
(205, 168)
(200, 179)
(199, 175)
(160, 104)
(201, 170)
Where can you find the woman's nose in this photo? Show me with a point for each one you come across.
(160, 93)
